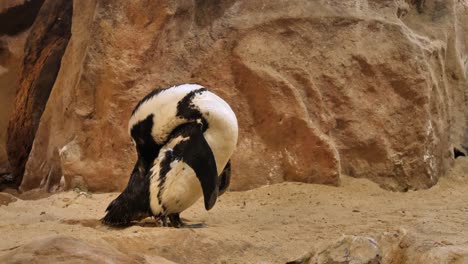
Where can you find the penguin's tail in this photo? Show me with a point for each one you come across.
(117, 213)
(123, 210)
(132, 204)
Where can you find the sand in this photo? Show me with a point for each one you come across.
(271, 224)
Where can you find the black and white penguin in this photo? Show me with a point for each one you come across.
(184, 136)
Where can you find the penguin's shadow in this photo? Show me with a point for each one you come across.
(149, 222)
(145, 223)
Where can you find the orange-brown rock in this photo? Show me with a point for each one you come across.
(16, 17)
(43, 52)
(372, 89)
(6, 198)
(9, 68)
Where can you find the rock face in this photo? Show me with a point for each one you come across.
(9, 68)
(44, 48)
(15, 18)
(372, 89)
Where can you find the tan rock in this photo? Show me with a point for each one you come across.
(445, 254)
(349, 250)
(372, 89)
(65, 249)
(401, 247)
(6, 198)
(387, 248)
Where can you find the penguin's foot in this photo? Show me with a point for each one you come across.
(175, 221)
(163, 220)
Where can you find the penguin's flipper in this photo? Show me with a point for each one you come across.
(196, 152)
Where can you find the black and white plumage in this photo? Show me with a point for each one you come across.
(184, 136)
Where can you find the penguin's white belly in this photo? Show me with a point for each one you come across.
(180, 190)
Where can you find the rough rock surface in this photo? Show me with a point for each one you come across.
(371, 89)
(9, 69)
(16, 16)
(387, 248)
(63, 249)
(6, 198)
(43, 52)
(349, 250)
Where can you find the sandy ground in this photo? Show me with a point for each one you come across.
(272, 224)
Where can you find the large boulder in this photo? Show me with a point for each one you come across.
(372, 89)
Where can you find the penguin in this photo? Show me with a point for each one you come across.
(184, 136)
